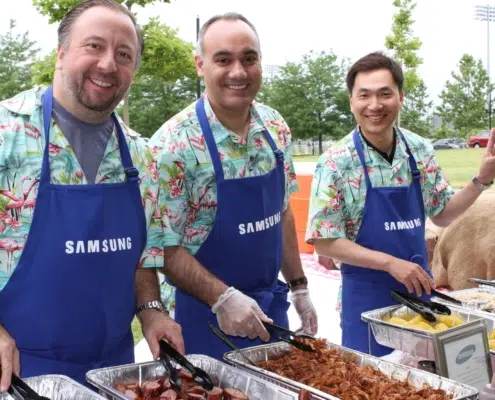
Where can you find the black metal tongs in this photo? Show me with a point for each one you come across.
(20, 390)
(425, 308)
(482, 281)
(218, 333)
(289, 336)
(199, 376)
(445, 297)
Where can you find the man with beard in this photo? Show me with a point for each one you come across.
(226, 173)
(76, 199)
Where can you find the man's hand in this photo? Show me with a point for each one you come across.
(487, 169)
(304, 306)
(157, 326)
(410, 274)
(240, 315)
(9, 359)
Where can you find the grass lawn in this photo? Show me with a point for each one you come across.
(459, 165)
(136, 330)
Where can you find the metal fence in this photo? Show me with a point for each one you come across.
(309, 147)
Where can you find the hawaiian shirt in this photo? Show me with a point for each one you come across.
(22, 143)
(188, 192)
(338, 191)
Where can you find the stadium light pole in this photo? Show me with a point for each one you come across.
(487, 13)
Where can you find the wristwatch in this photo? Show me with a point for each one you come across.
(152, 305)
(481, 186)
(297, 282)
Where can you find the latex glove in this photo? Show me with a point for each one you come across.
(239, 315)
(307, 313)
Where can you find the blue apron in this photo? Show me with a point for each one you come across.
(70, 302)
(393, 223)
(243, 249)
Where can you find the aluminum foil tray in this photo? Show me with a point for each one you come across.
(58, 387)
(474, 309)
(256, 389)
(416, 377)
(413, 341)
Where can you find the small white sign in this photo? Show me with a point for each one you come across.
(464, 356)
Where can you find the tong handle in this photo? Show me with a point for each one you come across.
(224, 338)
(415, 304)
(272, 328)
(22, 389)
(445, 297)
(167, 349)
(482, 281)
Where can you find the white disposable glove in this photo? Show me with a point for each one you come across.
(239, 315)
(304, 306)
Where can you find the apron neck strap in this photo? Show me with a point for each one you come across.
(359, 147)
(212, 147)
(131, 172)
(412, 162)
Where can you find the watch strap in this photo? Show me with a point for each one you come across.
(297, 282)
(481, 186)
(152, 305)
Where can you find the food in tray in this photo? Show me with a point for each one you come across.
(491, 340)
(328, 370)
(443, 322)
(160, 389)
(483, 301)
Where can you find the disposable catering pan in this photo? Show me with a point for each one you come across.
(416, 342)
(228, 377)
(58, 387)
(415, 377)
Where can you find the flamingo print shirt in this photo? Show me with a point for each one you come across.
(188, 193)
(338, 191)
(21, 152)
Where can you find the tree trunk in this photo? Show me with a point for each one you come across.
(320, 145)
(126, 109)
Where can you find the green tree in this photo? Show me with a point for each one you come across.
(166, 57)
(405, 47)
(464, 96)
(56, 9)
(153, 102)
(311, 96)
(17, 54)
(417, 111)
(44, 69)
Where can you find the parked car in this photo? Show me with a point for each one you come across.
(447, 143)
(460, 142)
(479, 140)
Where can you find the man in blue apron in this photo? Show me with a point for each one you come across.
(70, 283)
(225, 173)
(370, 196)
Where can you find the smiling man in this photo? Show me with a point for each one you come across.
(75, 206)
(226, 173)
(371, 194)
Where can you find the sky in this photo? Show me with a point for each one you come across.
(350, 28)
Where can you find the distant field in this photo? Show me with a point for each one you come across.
(459, 165)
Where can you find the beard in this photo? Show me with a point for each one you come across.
(75, 87)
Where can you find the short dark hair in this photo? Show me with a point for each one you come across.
(66, 25)
(230, 16)
(372, 62)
